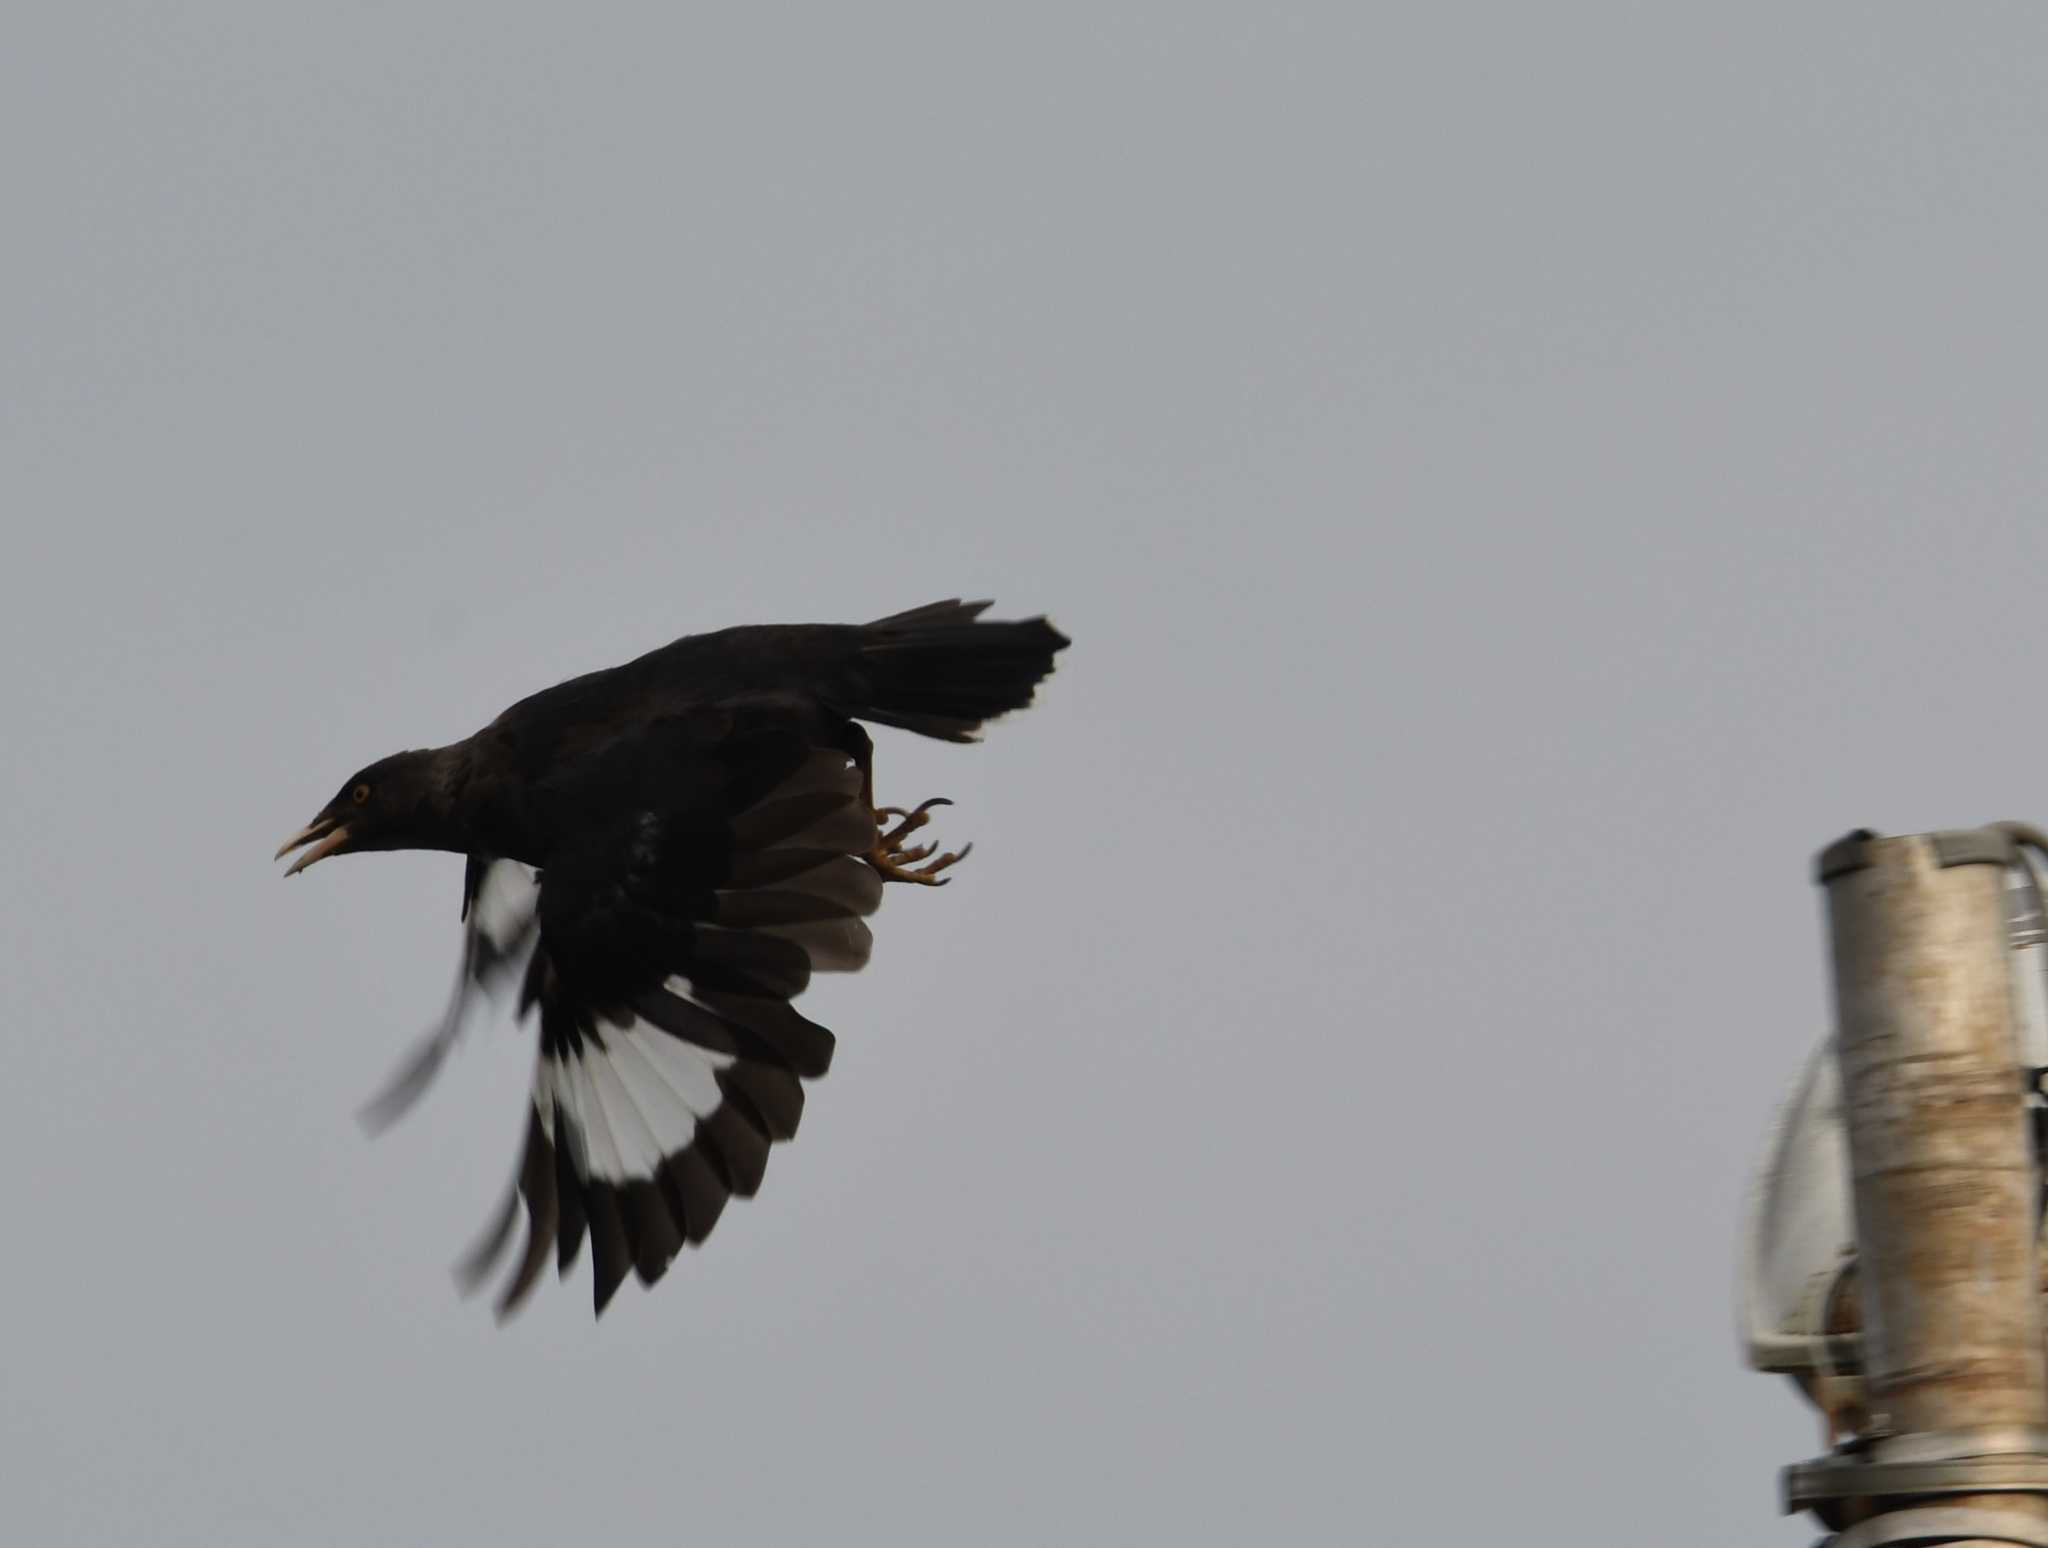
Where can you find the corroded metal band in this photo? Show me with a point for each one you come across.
(2009, 1440)
(1926, 1525)
(1808, 1485)
(1956, 846)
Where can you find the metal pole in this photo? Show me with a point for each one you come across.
(1945, 1189)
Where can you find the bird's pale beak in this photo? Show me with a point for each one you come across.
(331, 836)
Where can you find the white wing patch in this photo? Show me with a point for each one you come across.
(506, 901)
(634, 1152)
(632, 1103)
(685, 1071)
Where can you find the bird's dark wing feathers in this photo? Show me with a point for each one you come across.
(500, 920)
(720, 868)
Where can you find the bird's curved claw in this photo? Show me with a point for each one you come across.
(897, 863)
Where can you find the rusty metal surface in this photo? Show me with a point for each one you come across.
(1943, 1179)
(1952, 1525)
(1842, 1478)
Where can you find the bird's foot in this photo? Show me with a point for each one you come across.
(898, 863)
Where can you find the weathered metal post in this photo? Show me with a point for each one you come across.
(1946, 1197)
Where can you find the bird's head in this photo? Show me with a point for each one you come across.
(395, 803)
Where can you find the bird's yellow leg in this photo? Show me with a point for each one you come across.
(889, 856)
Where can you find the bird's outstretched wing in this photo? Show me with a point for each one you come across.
(672, 937)
(500, 900)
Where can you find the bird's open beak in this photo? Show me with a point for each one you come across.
(331, 836)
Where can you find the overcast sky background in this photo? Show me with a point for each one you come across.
(1518, 480)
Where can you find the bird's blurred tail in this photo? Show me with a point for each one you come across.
(939, 671)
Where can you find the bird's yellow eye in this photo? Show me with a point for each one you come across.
(360, 794)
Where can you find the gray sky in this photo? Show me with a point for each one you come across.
(1518, 481)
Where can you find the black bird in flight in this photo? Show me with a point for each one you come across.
(664, 853)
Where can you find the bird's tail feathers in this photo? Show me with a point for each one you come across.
(941, 671)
